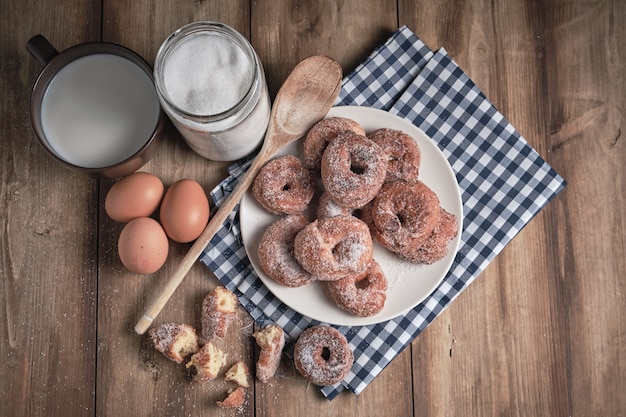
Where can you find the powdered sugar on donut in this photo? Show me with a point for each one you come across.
(334, 247)
(276, 251)
(353, 170)
(322, 355)
(284, 186)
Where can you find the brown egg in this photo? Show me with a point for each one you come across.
(143, 246)
(184, 211)
(136, 195)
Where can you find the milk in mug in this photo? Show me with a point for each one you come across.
(99, 110)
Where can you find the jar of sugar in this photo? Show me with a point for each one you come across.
(212, 86)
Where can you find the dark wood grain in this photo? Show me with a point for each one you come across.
(587, 96)
(48, 223)
(483, 351)
(540, 332)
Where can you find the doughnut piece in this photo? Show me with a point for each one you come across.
(276, 253)
(284, 186)
(334, 247)
(403, 154)
(435, 247)
(362, 295)
(219, 310)
(321, 134)
(322, 355)
(271, 340)
(353, 170)
(404, 216)
(235, 398)
(206, 363)
(175, 341)
(238, 373)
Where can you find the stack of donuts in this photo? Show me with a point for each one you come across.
(370, 193)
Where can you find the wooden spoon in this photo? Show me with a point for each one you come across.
(305, 98)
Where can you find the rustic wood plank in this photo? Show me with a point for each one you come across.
(480, 348)
(132, 376)
(587, 99)
(285, 32)
(48, 218)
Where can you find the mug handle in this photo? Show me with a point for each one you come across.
(41, 49)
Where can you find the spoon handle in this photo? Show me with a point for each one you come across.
(202, 242)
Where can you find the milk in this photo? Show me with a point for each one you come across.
(99, 110)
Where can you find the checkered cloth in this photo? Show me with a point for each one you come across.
(503, 182)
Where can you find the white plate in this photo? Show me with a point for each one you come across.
(409, 283)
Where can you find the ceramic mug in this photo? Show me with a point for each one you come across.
(94, 107)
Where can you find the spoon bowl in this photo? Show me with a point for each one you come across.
(306, 96)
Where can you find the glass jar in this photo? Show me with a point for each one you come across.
(212, 86)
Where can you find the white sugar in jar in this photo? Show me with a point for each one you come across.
(212, 86)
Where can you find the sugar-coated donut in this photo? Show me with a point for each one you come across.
(322, 355)
(353, 170)
(362, 295)
(318, 137)
(402, 151)
(284, 185)
(334, 247)
(435, 247)
(404, 216)
(276, 253)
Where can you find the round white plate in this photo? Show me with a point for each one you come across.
(409, 283)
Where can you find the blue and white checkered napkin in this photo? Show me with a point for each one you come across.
(503, 182)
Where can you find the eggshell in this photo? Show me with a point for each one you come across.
(143, 246)
(136, 195)
(184, 211)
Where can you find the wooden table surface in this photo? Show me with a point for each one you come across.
(541, 332)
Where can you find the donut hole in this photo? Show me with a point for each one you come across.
(346, 251)
(338, 250)
(358, 161)
(357, 168)
(286, 187)
(325, 353)
(362, 284)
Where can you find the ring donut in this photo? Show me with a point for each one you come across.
(334, 247)
(404, 216)
(362, 295)
(322, 355)
(284, 186)
(276, 255)
(435, 247)
(318, 137)
(402, 151)
(353, 170)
